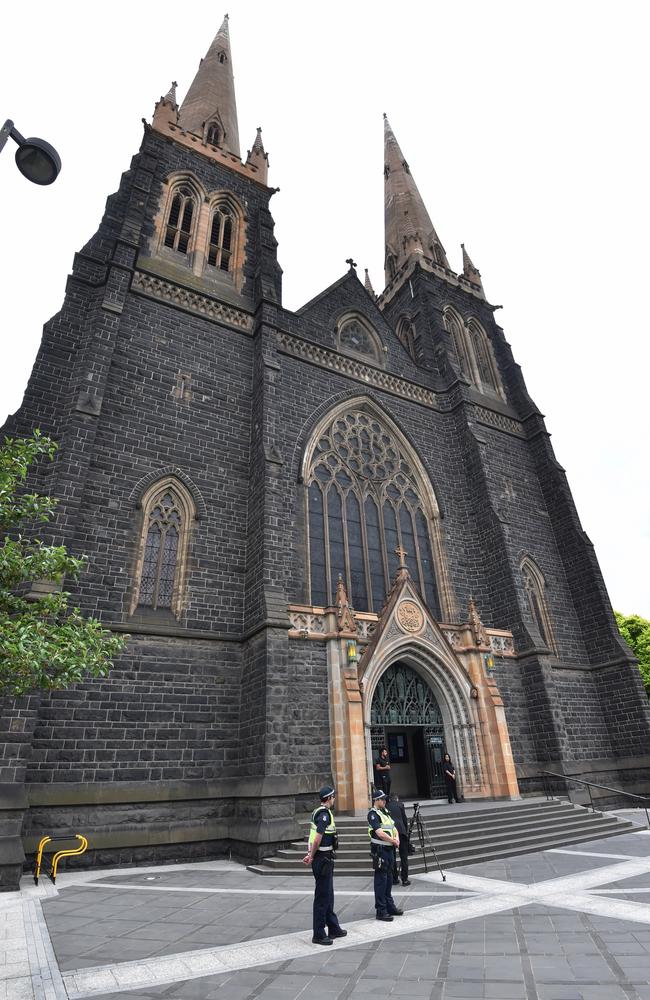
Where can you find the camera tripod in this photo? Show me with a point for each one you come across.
(416, 821)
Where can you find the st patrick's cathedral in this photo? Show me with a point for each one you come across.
(324, 531)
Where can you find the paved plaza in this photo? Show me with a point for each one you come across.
(565, 924)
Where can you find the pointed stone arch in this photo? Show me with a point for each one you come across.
(473, 716)
(165, 526)
(452, 688)
(535, 588)
(223, 235)
(355, 335)
(486, 372)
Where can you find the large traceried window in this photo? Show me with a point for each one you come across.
(160, 573)
(178, 230)
(535, 587)
(365, 499)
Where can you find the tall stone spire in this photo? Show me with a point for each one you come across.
(470, 271)
(211, 97)
(408, 228)
(259, 158)
(367, 284)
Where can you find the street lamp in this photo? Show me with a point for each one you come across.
(36, 159)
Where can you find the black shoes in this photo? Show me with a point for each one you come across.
(385, 916)
(337, 934)
(406, 881)
(323, 940)
(396, 912)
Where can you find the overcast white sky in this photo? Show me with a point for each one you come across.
(525, 126)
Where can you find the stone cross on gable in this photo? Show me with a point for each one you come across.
(402, 553)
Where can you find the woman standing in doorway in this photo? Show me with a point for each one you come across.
(449, 772)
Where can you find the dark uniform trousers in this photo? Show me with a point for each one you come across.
(403, 857)
(323, 871)
(384, 902)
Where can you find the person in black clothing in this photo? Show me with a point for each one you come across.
(382, 771)
(320, 855)
(449, 772)
(398, 812)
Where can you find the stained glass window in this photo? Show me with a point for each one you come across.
(354, 336)
(365, 500)
(161, 553)
(403, 698)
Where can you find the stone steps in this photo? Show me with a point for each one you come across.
(482, 835)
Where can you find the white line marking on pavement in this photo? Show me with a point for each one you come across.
(307, 891)
(565, 892)
(584, 902)
(593, 877)
(229, 958)
(616, 892)
(590, 854)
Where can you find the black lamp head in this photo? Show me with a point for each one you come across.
(38, 161)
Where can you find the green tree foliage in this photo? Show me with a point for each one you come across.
(636, 632)
(44, 643)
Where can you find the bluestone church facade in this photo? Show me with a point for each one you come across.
(323, 530)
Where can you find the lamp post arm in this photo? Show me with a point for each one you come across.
(7, 131)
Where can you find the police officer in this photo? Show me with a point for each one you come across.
(384, 838)
(320, 855)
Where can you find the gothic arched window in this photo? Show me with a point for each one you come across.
(454, 326)
(355, 336)
(366, 497)
(213, 134)
(180, 218)
(391, 266)
(408, 336)
(535, 587)
(485, 366)
(222, 238)
(167, 513)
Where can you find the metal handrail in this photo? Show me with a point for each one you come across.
(607, 788)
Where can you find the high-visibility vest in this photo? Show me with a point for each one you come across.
(387, 825)
(329, 829)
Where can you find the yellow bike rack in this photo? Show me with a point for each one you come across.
(56, 857)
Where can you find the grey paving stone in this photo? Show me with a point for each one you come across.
(551, 969)
(609, 992)
(559, 991)
(462, 989)
(505, 991)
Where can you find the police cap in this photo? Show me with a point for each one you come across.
(325, 792)
(378, 794)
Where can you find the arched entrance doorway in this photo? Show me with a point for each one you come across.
(406, 718)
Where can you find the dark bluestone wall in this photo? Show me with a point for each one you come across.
(212, 731)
